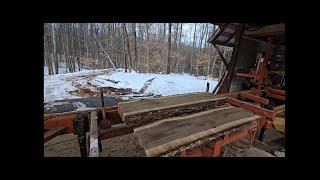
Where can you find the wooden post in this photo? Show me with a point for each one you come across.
(94, 141)
(102, 105)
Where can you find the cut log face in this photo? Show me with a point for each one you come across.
(166, 135)
(139, 112)
(279, 122)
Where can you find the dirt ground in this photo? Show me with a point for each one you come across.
(67, 146)
(127, 146)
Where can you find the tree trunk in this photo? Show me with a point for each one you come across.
(209, 61)
(135, 45)
(169, 49)
(176, 36)
(147, 48)
(55, 59)
(124, 50)
(180, 34)
(128, 46)
(164, 30)
(193, 45)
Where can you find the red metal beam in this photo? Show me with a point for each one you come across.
(61, 121)
(254, 98)
(247, 75)
(258, 110)
(276, 91)
(217, 144)
(65, 119)
(276, 96)
(54, 132)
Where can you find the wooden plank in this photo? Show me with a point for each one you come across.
(94, 145)
(139, 104)
(116, 130)
(269, 30)
(149, 110)
(168, 134)
(179, 118)
(54, 132)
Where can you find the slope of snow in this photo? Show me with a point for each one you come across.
(163, 84)
(57, 87)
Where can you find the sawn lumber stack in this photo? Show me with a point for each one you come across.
(143, 111)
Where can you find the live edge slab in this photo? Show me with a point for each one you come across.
(166, 135)
(143, 111)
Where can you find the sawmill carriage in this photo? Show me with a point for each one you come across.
(248, 99)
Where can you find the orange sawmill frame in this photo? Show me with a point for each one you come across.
(217, 144)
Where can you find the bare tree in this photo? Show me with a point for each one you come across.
(169, 49)
(143, 46)
(148, 50)
(135, 45)
(193, 45)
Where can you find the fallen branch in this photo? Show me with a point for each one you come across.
(145, 86)
(105, 54)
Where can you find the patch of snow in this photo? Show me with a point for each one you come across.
(164, 84)
(79, 105)
(85, 109)
(280, 153)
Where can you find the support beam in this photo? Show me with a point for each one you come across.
(221, 55)
(276, 96)
(94, 141)
(219, 85)
(254, 98)
(227, 81)
(230, 37)
(258, 110)
(276, 91)
(216, 34)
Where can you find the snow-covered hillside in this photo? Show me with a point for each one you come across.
(58, 87)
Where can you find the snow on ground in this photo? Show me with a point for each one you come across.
(57, 87)
(163, 84)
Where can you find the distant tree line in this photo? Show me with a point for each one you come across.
(143, 47)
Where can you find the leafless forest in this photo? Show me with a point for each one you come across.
(143, 47)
